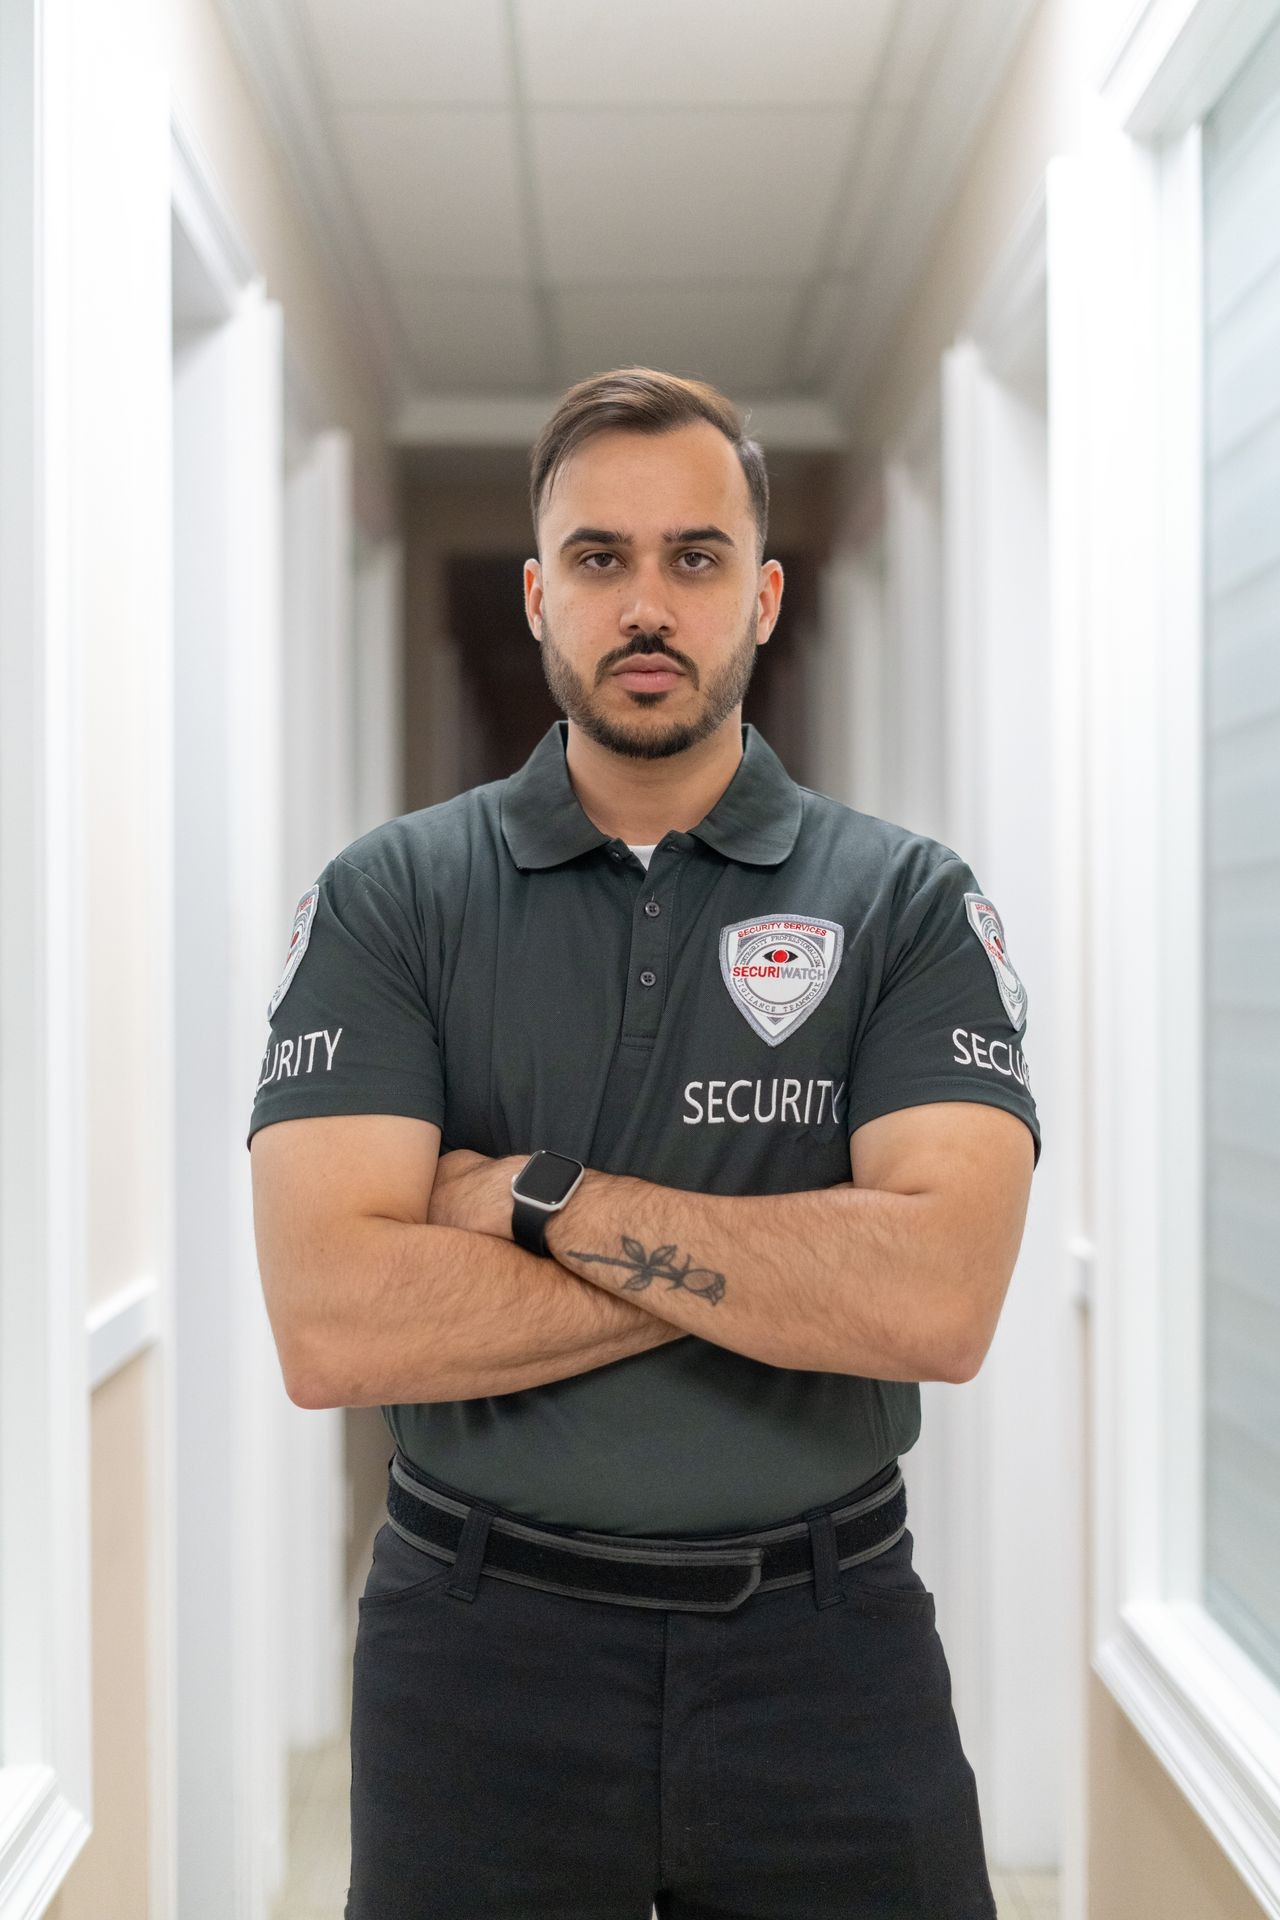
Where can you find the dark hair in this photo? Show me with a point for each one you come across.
(643, 400)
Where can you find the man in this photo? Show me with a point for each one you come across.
(638, 1131)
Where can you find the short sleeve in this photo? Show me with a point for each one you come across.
(949, 1022)
(350, 1027)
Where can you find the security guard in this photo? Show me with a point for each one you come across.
(643, 1056)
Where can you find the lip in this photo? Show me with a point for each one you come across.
(643, 678)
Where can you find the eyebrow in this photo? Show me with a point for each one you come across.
(674, 537)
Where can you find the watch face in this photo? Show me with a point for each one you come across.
(548, 1177)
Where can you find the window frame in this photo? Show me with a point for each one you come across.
(1205, 1708)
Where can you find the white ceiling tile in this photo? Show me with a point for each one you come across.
(727, 332)
(487, 337)
(669, 194)
(690, 170)
(412, 51)
(593, 52)
(438, 190)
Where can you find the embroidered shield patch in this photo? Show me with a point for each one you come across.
(304, 913)
(988, 926)
(778, 968)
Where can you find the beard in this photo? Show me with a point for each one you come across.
(649, 738)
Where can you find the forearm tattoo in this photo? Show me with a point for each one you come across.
(644, 1267)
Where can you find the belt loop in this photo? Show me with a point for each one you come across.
(822, 1541)
(470, 1555)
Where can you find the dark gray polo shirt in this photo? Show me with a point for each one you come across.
(783, 972)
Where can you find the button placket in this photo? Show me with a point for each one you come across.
(647, 981)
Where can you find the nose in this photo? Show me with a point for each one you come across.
(646, 608)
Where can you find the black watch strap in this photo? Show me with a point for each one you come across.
(529, 1226)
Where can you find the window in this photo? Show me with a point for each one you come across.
(1241, 747)
(1179, 488)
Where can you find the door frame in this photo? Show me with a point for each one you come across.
(220, 1772)
(1014, 1480)
(47, 1351)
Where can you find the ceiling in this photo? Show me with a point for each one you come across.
(516, 193)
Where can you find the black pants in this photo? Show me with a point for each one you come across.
(530, 1754)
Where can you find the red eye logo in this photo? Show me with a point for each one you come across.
(777, 968)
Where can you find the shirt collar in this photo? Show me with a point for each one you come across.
(756, 818)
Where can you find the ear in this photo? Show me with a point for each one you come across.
(769, 599)
(533, 597)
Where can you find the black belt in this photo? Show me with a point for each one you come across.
(703, 1576)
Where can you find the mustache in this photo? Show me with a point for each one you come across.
(645, 643)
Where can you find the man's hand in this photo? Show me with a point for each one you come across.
(473, 1191)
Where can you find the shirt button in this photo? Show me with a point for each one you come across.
(652, 908)
(647, 979)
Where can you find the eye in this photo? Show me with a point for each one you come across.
(597, 556)
(696, 553)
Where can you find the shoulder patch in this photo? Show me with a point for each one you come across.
(987, 924)
(303, 914)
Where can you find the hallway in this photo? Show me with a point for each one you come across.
(288, 294)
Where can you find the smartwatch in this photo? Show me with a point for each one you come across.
(540, 1189)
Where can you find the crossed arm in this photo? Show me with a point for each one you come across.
(377, 1297)
(900, 1275)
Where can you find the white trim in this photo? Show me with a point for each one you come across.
(317, 758)
(1013, 300)
(1066, 301)
(278, 57)
(844, 693)
(378, 680)
(920, 442)
(1178, 712)
(1011, 777)
(315, 807)
(1176, 57)
(255, 697)
(963, 570)
(40, 1836)
(225, 1572)
(866, 675)
(120, 1328)
(1208, 1713)
(45, 1693)
(304, 412)
(914, 653)
(208, 224)
(1212, 1719)
(212, 259)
